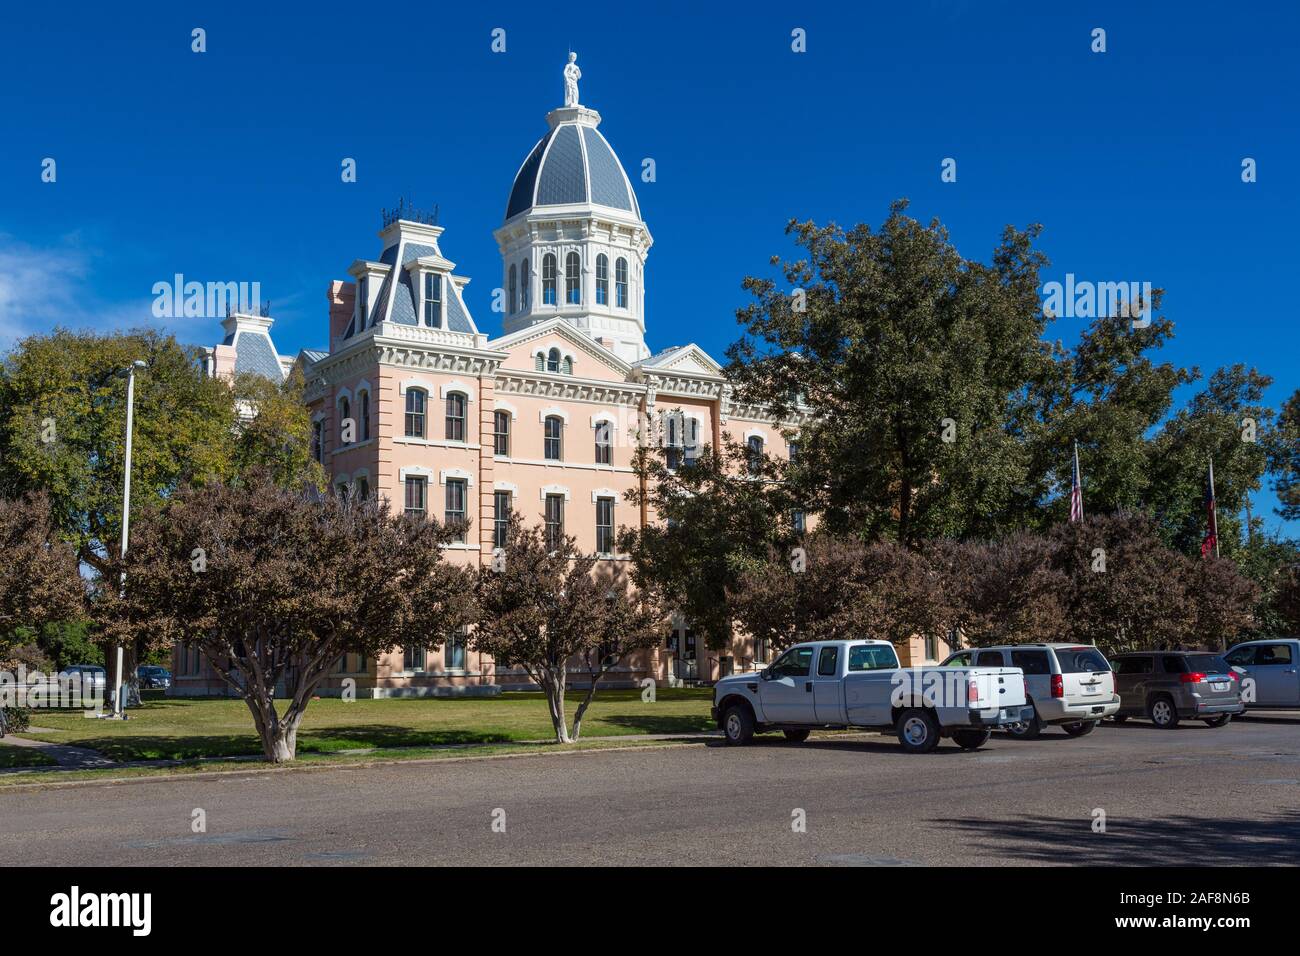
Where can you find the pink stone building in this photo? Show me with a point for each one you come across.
(415, 402)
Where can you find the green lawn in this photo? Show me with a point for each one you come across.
(181, 728)
(23, 757)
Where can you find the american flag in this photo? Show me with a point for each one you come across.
(1210, 544)
(1076, 490)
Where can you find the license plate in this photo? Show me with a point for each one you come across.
(1219, 686)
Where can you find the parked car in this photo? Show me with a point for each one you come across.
(150, 675)
(1168, 686)
(1271, 666)
(93, 678)
(848, 684)
(1070, 685)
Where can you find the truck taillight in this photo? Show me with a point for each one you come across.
(1058, 685)
(1234, 675)
(1194, 678)
(972, 691)
(1026, 683)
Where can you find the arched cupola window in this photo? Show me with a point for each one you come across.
(553, 360)
(572, 279)
(548, 279)
(602, 279)
(514, 289)
(620, 283)
(524, 276)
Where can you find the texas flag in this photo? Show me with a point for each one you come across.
(1076, 490)
(1210, 544)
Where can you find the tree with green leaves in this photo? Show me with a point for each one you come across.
(544, 605)
(273, 585)
(710, 520)
(1284, 458)
(913, 364)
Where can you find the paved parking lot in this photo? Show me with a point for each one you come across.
(1191, 795)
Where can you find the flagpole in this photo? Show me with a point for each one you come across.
(1214, 506)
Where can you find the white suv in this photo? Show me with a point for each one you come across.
(1070, 685)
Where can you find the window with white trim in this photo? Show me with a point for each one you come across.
(415, 401)
(554, 521)
(363, 295)
(604, 525)
(363, 415)
(345, 415)
(453, 651)
(455, 510)
(548, 279)
(455, 416)
(501, 508)
(602, 279)
(413, 659)
(524, 276)
(754, 453)
(604, 442)
(573, 279)
(501, 437)
(433, 300)
(514, 290)
(620, 283)
(417, 487)
(553, 442)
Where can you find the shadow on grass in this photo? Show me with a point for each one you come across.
(1167, 841)
(654, 724)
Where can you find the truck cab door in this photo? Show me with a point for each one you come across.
(828, 689)
(1277, 677)
(786, 690)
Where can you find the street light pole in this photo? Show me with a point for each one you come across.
(118, 702)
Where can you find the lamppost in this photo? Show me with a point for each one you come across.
(129, 372)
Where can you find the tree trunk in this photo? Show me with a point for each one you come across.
(586, 702)
(553, 684)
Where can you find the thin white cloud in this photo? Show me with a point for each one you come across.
(44, 287)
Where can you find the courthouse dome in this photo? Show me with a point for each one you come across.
(572, 165)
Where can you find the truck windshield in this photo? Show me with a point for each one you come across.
(871, 657)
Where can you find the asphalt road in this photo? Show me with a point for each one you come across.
(1188, 796)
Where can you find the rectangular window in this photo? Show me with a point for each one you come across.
(432, 300)
(548, 280)
(415, 489)
(620, 283)
(362, 302)
(413, 659)
(501, 441)
(553, 443)
(604, 525)
(828, 662)
(798, 521)
(414, 413)
(455, 513)
(602, 280)
(453, 652)
(554, 520)
(604, 443)
(500, 518)
(455, 417)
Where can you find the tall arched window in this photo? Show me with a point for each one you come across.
(514, 290)
(572, 279)
(754, 449)
(524, 276)
(415, 399)
(602, 279)
(455, 416)
(346, 425)
(553, 360)
(567, 365)
(620, 283)
(548, 279)
(363, 415)
(553, 446)
(539, 362)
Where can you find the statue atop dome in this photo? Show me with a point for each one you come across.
(571, 77)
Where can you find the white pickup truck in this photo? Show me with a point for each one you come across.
(848, 684)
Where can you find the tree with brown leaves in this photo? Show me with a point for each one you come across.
(39, 579)
(544, 608)
(273, 585)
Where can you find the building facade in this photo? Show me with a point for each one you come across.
(412, 401)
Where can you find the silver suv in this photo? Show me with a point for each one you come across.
(1070, 685)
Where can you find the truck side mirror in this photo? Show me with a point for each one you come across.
(766, 673)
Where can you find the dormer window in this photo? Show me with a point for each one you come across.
(432, 299)
(362, 301)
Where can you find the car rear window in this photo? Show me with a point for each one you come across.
(1031, 662)
(1207, 663)
(871, 657)
(1080, 660)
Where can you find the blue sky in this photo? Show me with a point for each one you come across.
(225, 165)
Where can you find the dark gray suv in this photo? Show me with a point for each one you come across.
(1168, 686)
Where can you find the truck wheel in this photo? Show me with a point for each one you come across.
(918, 731)
(1079, 728)
(1162, 712)
(796, 736)
(738, 724)
(1029, 731)
(970, 739)
(1218, 721)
